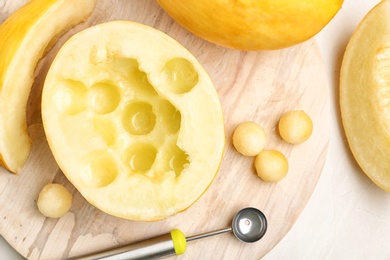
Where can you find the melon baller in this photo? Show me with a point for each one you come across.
(249, 225)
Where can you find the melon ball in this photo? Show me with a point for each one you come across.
(271, 165)
(249, 138)
(295, 127)
(54, 200)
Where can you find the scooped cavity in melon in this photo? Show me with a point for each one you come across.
(365, 94)
(133, 120)
(24, 37)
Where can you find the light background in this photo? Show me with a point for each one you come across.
(347, 217)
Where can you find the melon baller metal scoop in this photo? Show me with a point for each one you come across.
(248, 225)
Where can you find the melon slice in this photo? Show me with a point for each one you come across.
(365, 94)
(133, 120)
(24, 37)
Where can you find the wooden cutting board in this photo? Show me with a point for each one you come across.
(256, 86)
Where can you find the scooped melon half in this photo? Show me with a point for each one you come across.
(365, 94)
(24, 37)
(133, 120)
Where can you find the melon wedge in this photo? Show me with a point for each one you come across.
(133, 120)
(24, 37)
(365, 94)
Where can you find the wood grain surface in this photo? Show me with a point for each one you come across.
(253, 86)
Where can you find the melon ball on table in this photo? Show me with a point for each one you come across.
(54, 200)
(249, 138)
(295, 127)
(271, 165)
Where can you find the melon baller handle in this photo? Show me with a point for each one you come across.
(248, 225)
(173, 243)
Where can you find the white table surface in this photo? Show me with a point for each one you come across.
(347, 217)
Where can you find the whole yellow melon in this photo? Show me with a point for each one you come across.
(253, 24)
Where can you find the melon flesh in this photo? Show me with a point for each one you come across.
(133, 120)
(24, 37)
(365, 94)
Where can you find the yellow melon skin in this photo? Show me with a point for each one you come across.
(24, 37)
(253, 24)
(133, 120)
(364, 94)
